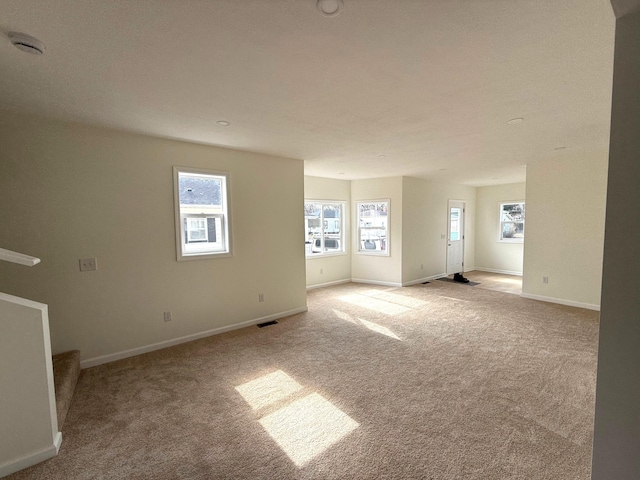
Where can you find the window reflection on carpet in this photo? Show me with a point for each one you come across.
(368, 324)
(303, 428)
(268, 389)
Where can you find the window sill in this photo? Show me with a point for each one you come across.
(324, 255)
(204, 256)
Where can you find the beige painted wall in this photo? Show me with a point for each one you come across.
(335, 268)
(70, 191)
(424, 221)
(376, 268)
(492, 255)
(565, 228)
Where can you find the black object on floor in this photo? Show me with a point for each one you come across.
(451, 280)
(458, 277)
(424, 283)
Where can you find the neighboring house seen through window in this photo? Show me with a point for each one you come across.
(202, 213)
(324, 228)
(373, 227)
(511, 222)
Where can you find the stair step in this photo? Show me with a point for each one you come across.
(66, 371)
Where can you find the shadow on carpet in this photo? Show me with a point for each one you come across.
(450, 280)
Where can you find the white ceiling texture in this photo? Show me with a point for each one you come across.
(421, 88)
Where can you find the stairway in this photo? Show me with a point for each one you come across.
(66, 371)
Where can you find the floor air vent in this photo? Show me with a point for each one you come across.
(266, 324)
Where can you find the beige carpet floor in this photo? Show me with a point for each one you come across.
(436, 381)
(496, 281)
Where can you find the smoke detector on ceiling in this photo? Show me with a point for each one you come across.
(329, 8)
(27, 43)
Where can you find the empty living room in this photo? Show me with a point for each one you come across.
(319, 239)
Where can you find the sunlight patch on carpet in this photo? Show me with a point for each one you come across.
(403, 300)
(510, 281)
(374, 327)
(379, 329)
(344, 316)
(372, 303)
(307, 427)
(268, 389)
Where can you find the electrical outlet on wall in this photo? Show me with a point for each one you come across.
(545, 279)
(88, 264)
(167, 316)
(261, 297)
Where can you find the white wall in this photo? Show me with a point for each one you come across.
(492, 255)
(70, 191)
(377, 268)
(417, 220)
(335, 268)
(424, 222)
(28, 422)
(565, 228)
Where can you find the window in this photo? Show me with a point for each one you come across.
(373, 227)
(202, 216)
(511, 222)
(455, 214)
(324, 228)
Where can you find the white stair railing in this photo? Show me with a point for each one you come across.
(29, 431)
(20, 258)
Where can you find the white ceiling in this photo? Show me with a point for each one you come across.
(388, 87)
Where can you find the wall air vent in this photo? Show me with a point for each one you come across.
(266, 324)
(27, 43)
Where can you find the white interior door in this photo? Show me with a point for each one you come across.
(455, 237)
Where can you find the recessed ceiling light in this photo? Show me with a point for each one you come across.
(382, 156)
(223, 123)
(329, 8)
(27, 43)
(513, 121)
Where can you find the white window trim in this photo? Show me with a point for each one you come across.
(225, 216)
(343, 229)
(359, 250)
(509, 240)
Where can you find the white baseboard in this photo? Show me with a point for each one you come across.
(495, 270)
(376, 282)
(570, 303)
(112, 357)
(21, 463)
(425, 279)
(328, 284)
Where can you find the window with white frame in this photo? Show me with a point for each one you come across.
(373, 227)
(324, 228)
(511, 222)
(202, 213)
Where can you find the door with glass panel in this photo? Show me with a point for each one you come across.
(455, 237)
